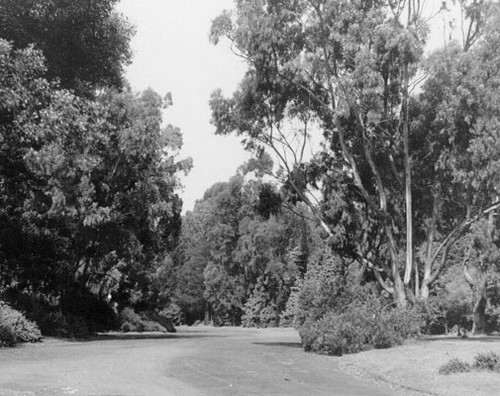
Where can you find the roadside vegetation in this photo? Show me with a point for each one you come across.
(368, 215)
(89, 173)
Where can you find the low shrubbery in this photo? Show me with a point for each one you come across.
(360, 327)
(15, 328)
(133, 322)
(488, 361)
(77, 314)
(455, 365)
(168, 317)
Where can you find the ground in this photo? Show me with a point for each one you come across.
(194, 361)
(415, 366)
(210, 361)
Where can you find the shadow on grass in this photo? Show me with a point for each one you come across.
(146, 336)
(281, 344)
(483, 338)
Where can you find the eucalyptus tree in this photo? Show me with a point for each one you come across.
(349, 69)
(345, 66)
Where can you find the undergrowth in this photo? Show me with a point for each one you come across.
(15, 328)
(487, 361)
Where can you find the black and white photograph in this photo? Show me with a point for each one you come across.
(249, 197)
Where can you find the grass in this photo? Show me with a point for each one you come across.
(416, 366)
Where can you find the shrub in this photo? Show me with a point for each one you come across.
(488, 361)
(132, 321)
(288, 318)
(455, 365)
(151, 325)
(15, 328)
(361, 327)
(167, 317)
(95, 314)
(7, 336)
(172, 313)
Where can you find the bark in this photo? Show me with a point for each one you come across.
(479, 298)
(408, 193)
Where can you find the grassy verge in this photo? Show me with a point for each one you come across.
(415, 367)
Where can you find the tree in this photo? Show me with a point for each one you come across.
(349, 68)
(346, 67)
(88, 185)
(240, 254)
(85, 43)
(458, 142)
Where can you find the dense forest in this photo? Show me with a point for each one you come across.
(387, 230)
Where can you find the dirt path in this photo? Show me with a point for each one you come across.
(195, 361)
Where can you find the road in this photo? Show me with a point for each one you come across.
(197, 361)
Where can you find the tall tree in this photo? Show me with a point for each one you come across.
(349, 68)
(88, 185)
(346, 66)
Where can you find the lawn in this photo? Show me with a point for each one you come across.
(415, 366)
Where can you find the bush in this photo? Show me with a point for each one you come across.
(15, 328)
(360, 327)
(488, 361)
(132, 321)
(454, 366)
(172, 313)
(167, 317)
(77, 314)
(58, 324)
(95, 314)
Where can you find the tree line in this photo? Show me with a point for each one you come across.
(388, 229)
(408, 168)
(89, 174)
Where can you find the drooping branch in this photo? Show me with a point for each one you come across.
(452, 237)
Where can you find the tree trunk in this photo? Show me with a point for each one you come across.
(479, 298)
(479, 303)
(399, 292)
(424, 292)
(408, 194)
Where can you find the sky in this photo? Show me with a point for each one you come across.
(172, 53)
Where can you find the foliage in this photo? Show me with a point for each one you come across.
(393, 163)
(339, 68)
(454, 366)
(130, 321)
(487, 361)
(336, 315)
(288, 317)
(88, 187)
(168, 317)
(86, 43)
(15, 328)
(361, 327)
(239, 255)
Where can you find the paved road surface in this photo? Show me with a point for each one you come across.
(195, 361)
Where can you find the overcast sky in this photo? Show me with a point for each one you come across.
(172, 54)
